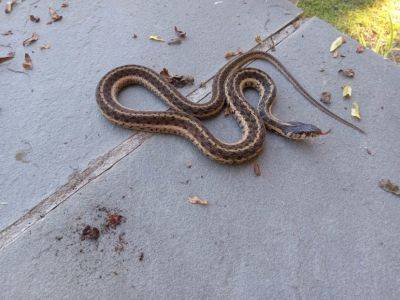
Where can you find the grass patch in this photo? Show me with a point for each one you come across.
(374, 23)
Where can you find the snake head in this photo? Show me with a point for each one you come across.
(298, 131)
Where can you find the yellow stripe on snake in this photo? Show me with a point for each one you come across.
(184, 117)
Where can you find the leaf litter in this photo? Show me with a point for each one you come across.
(178, 81)
(197, 200)
(27, 64)
(355, 111)
(389, 187)
(30, 40)
(8, 57)
(347, 72)
(326, 97)
(10, 6)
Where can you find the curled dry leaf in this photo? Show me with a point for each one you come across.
(230, 54)
(27, 64)
(7, 57)
(9, 32)
(156, 38)
(257, 169)
(337, 43)
(360, 49)
(346, 91)
(389, 186)
(347, 72)
(258, 39)
(176, 80)
(45, 47)
(355, 111)
(55, 17)
(326, 97)
(9, 6)
(197, 200)
(34, 19)
(179, 33)
(30, 40)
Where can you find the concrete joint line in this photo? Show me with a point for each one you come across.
(105, 162)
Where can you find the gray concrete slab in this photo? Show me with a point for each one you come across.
(49, 122)
(314, 225)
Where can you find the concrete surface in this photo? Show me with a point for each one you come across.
(314, 225)
(49, 121)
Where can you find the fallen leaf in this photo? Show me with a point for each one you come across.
(326, 97)
(178, 81)
(10, 6)
(355, 111)
(346, 91)
(230, 54)
(258, 39)
(197, 200)
(30, 40)
(90, 233)
(55, 17)
(360, 49)
(389, 186)
(296, 24)
(175, 41)
(113, 220)
(337, 43)
(257, 169)
(156, 38)
(179, 33)
(64, 4)
(45, 47)
(335, 54)
(8, 57)
(34, 19)
(347, 72)
(27, 64)
(9, 32)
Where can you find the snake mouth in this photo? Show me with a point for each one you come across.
(299, 131)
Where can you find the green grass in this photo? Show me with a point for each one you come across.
(374, 23)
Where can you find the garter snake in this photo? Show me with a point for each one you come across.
(183, 117)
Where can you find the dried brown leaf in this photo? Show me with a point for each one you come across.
(178, 81)
(90, 233)
(197, 200)
(30, 40)
(45, 47)
(7, 57)
(257, 169)
(27, 64)
(326, 97)
(9, 6)
(179, 33)
(230, 54)
(55, 17)
(34, 19)
(360, 49)
(258, 39)
(347, 72)
(389, 186)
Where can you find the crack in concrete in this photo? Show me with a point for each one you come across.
(105, 162)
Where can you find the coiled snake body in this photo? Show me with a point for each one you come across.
(184, 116)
